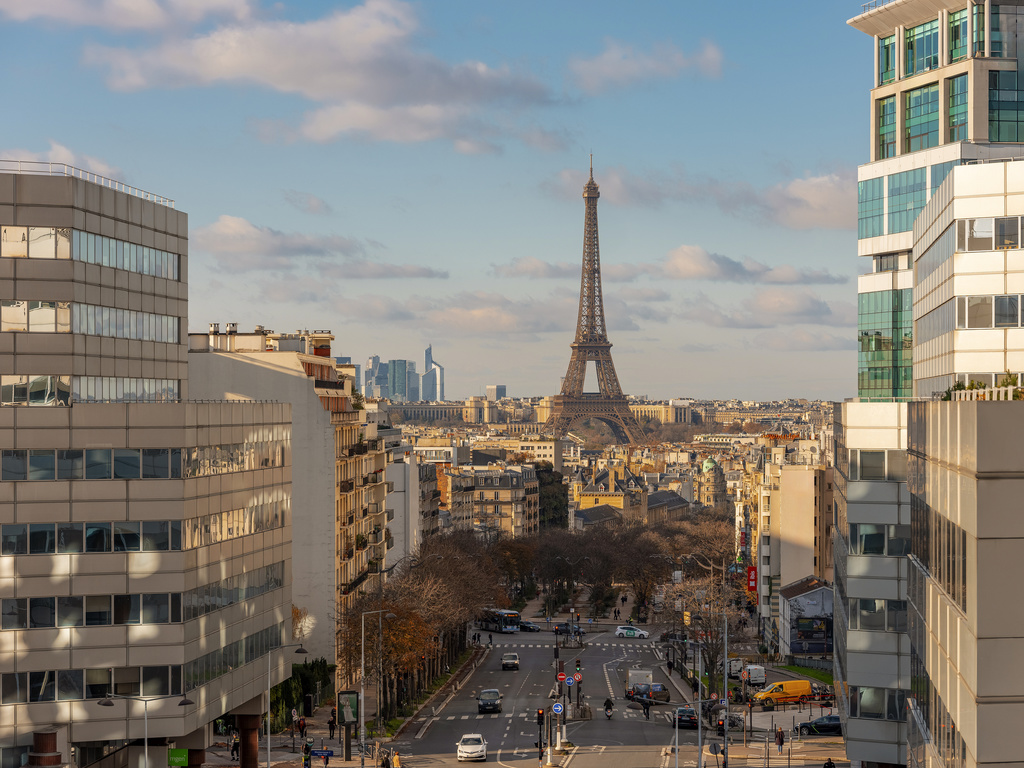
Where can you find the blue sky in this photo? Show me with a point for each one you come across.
(410, 173)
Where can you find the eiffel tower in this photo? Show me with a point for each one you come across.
(591, 344)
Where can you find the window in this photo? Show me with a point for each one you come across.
(958, 108)
(1007, 233)
(127, 464)
(42, 686)
(127, 609)
(41, 539)
(1006, 311)
(155, 681)
(14, 613)
(42, 612)
(870, 208)
(70, 685)
(156, 609)
(908, 193)
(97, 610)
(922, 47)
(155, 536)
(97, 464)
(126, 537)
(957, 35)
(14, 688)
(97, 537)
(15, 465)
(70, 465)
(126, 681)
(940, 171)
(97, 683)
(872, 465)
(922, 119)
(886, 127)
(867, 539)
(70, 612)
(886, 59)
(14, 242)
(979, 311)
(15, 539)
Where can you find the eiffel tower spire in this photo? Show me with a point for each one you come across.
(591, 344)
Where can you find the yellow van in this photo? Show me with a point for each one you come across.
(787, 690)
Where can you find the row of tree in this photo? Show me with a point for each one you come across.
(415, 624)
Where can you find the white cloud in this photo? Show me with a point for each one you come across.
(240, 246)
(826, 201)
(619, 65)
(124, 14)
(772, 307)
(687, 262)
(306, 202)
(58, 153)
(359, 66)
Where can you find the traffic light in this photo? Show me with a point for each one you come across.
(540, 717)
(577, 665)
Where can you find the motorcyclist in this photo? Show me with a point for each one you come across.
(608, 708)
(608, 704)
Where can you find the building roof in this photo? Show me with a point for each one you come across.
(669, 499)
(603, 513)
(802, 587)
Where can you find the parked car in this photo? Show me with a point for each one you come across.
(510, 661)
(685, 717)
(655, 691)
(471, 747)
(488, 701)
(528, 626)
(564, 628)
(825, 724)
(627, 630)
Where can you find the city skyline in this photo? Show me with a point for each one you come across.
(413, 176)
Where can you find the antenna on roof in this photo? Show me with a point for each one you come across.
(591, 166)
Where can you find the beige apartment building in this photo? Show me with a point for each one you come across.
(145, 540)
(495, 501)
(339, 494)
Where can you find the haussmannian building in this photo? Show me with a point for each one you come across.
(145, 540)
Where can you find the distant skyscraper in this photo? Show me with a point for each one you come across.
(358, 372)
(412, 382)
(432, 380)
(397, 373)
(495, 392)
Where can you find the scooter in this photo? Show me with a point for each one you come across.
(608, 712)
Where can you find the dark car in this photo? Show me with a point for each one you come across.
(686, 717)
(565, 628)
(489, 701)
(656, 691)
(528, 626)
(825, 724)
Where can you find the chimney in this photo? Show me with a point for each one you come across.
(232, 328)
(214, 329)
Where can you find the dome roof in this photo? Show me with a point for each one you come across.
(709, 464)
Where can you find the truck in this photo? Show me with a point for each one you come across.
(636, 677)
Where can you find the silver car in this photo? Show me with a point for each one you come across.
(471, 747)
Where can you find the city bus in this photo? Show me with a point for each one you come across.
(499, 620)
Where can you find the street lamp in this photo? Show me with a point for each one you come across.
(108, 701)
(270, 654)
(362, 680)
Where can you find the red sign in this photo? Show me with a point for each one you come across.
(743, 539)
(752, 578)
(561, 676)
(578, 676)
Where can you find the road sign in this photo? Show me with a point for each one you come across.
(578, 676)
(177, 757)
(322, 753)
(561, 676)
(556, 708)
(686, 618)
(745, 674)
(569, 681)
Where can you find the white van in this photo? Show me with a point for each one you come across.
(735, 667)
(755, 675)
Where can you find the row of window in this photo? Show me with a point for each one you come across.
(138, 463)
(877, 703)
(878, 615)
(75, 538)
(81, 684)
(921, 44)
(938, 544)
(27, 389)
(224, 660)
(224, 526)
(68, 317)
(877, 465)
(907, 193)
(57, 243)
(879, 539)
(90, 610)
(232, 590)
(932, 714)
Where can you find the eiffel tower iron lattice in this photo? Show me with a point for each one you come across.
(591, 344)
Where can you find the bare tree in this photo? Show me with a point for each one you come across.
(710, 604)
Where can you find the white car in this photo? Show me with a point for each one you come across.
(471, 747)
(629, 631)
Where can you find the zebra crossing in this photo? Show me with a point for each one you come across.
(631, 646)
(626, 715)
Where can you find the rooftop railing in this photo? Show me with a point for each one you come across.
(870, 6)
(44, 168)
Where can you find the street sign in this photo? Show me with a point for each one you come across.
(177, 757)
(561, 676)
(569, 681)
(556, 708)
(322, 753)
(578, 676)
(686, 618)
(745, 674)
(752, 578)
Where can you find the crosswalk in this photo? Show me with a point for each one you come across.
(626, 715)
(631, 646)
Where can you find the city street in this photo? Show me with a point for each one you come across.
(627, 739)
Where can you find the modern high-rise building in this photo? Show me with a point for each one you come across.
(432, 380)
(944, 95)
(495, 392)
(397, 379)
(145, 540)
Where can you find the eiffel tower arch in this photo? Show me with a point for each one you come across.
(591, 344)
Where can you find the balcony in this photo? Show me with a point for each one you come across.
(376, 536)
(389, 486)
(345, 486)
(390, 514)
(352, 586)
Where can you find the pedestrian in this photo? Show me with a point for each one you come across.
(780, 739)
(295, 721)
(828, 763)
(334, 714)
(647, 708)
(234, 745)
(547, 620)
(490, 639)
(330, 726)
(302, 727)
(670, 666)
